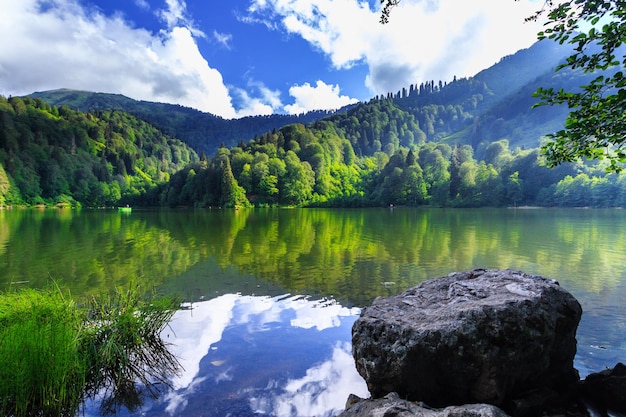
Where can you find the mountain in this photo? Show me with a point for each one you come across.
(496, 103)
(470, 142)
(204, 132)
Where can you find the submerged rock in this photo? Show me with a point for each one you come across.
(500, 337)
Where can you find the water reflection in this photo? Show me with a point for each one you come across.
(249, 352)
(353, 255)
(249, 355)
(600, 336)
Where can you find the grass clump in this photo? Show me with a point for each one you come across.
(43, 370)
(54, 352)
(126, 353)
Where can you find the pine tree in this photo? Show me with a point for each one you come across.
(233, 195)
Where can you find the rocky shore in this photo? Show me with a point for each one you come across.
(478, 343)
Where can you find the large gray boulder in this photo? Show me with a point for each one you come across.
(501, 337)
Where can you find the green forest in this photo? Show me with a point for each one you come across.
(57, 156)
(471, 142)
(317, 166)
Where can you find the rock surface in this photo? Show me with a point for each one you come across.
(501, 337)
(606, 390)
(393, 406)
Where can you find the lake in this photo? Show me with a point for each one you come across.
(271, 294)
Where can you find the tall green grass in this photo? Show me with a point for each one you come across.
(42, 371)
(54, 353)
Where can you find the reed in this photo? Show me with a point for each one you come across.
(125, 349)
(54, 352)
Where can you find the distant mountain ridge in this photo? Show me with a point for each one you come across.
(496, 103)
(204, 132)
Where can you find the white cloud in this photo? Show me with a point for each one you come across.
(320, 97)
(252, 106)
(258, 99)
(264, 102)
(223, 39)
(142, 4)
(175, 15)
(424, 40)
(59, 43)
(64, 45)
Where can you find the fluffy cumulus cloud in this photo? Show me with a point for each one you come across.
(321, 96)
(425, 40)
(70, 46)
(50, 44)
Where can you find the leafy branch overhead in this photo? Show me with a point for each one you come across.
(596, 125)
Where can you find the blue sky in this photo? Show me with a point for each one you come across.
(249, 57)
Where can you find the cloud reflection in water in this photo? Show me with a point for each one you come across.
(258, 355)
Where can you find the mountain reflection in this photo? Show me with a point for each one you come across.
(250, 355)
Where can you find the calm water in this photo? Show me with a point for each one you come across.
(272, 294)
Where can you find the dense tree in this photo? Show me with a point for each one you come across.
(514, 189)
(106, 157)
(435, 160)
(299, 179)
(435, 143)
(497, 153)
(233, 195)
(8, 192)
(203, 132)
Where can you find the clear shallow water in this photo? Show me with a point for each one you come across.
(275, 292)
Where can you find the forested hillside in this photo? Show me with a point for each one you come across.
(51, 155)
(466, 143)
(317, 166)
(204, 132)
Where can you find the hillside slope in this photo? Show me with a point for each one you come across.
(471, 142)
(496, 103)
(204, 132)
(51, 155)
